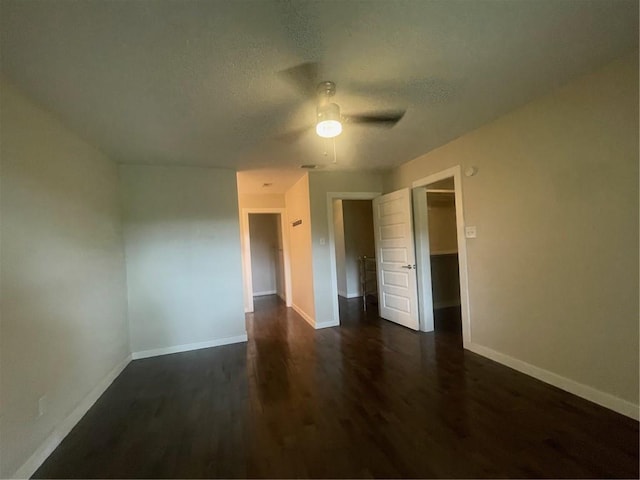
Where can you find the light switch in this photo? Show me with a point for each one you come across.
(470, 232)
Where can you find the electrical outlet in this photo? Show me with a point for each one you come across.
(42, 405)
(470, 232)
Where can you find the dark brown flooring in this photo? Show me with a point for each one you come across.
(366, 399)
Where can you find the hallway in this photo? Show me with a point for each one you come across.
(366, 399)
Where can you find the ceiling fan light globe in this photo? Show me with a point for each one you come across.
(329, 128)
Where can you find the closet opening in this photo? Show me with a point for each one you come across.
(443, 253)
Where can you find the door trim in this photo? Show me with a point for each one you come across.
(423, 260)
(331, 196)
(246, 254)
(456, 173)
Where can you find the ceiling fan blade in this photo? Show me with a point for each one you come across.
(303, 77)
(382, 119)
(292, 136)
(426, 91)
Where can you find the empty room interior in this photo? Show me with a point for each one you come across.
(312, 239)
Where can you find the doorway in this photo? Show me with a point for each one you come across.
(441, 254)
(418, 240)
(267, 266)
(265, 255)
(355, 254)
(357, 214)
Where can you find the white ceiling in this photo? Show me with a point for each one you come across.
(195, 82)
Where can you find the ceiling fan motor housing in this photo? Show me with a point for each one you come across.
(330, 111)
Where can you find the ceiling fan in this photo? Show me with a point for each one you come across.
(329, 120)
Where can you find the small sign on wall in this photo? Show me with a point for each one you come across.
(296, 223)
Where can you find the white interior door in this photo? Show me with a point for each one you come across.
(395, 258)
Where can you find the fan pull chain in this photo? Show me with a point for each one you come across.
(325, 153)
(335, 157)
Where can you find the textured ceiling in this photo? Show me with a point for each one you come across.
(195, 82)
(277, 181)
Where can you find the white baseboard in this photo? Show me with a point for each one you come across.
(304, 315)
(63, 429)
(589, 393)
(188, 347)
(262, 294)
(349, 295)
(330, 323)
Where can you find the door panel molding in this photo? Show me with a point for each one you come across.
(395, 258)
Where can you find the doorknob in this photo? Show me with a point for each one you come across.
(409, 267)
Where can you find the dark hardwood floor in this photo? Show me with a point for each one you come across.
(366, 399)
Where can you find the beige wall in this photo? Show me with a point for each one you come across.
(184, 269)
(271, 200)
(321, 183)
(63, 288)
(442, 222)
(302, 292)
(553, 272)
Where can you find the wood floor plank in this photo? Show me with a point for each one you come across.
(368, 399)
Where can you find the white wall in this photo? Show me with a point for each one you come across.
(184, 266)
(63, 290)
(358, 240)
(553, 272)
(302, 292)
(263, 235)
(321, 183)
(338, 232)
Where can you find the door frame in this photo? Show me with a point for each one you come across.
(331, 196)
(246, 254)
(420, 227)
